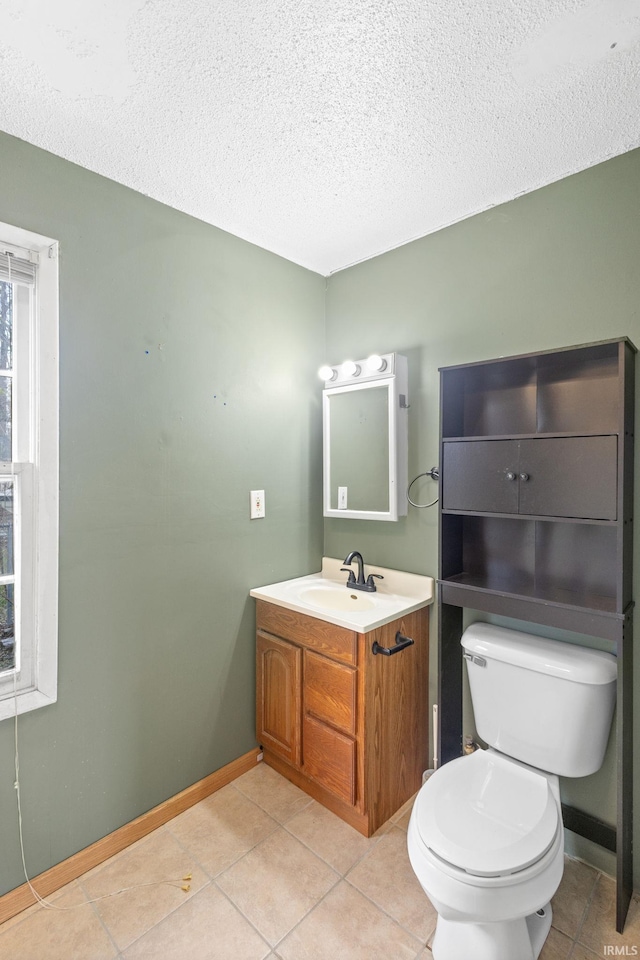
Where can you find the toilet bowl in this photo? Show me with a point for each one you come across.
(485, 837)
(485, 841)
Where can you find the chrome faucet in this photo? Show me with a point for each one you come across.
(360, 583)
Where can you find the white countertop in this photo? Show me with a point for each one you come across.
(319, 594)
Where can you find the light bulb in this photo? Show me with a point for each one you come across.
(376, 363)
(327, 373)
(350, 368)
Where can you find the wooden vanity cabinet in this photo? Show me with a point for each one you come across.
(347, 726)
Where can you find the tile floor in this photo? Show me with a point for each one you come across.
(275, 875)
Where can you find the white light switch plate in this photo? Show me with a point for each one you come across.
(257, 504)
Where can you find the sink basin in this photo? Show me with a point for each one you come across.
(336, 598)
(324, 595)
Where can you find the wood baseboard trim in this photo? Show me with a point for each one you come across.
(73, 867)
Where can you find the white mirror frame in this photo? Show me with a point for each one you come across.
(395, 378)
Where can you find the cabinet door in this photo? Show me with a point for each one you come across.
(569, 477)
(278, 709)
(480, 476)
(541, 476)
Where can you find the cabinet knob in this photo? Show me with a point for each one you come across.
(511, 475)
(524, 477)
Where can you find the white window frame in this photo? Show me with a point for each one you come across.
(34, 471)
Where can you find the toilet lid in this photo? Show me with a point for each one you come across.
(487, 814)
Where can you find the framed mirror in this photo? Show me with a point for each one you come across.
(365, 441)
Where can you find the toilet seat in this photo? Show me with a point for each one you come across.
(487, 815)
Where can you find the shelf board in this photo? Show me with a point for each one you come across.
(527, 516)
(593, 615)
(527, 590)
(531, 436)
(597, 347)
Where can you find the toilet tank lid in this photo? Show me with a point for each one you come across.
(553, 657)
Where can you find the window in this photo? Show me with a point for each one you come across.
(28, 469)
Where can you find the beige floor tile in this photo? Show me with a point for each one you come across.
(221, 829)
(286, 881)
(557, 946)
(275, 794)
(403, 820)
(123, 853)
(385, 875)
(330, 837)
(58, 934)
(347, 926)
(581, 953)
(570, 902)
(599, 928)
(402, 816)
(129, 915)
(207, 927)
(277, 883)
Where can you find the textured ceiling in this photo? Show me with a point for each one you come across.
(327, 131)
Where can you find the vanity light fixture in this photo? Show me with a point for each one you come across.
(375, 367)
(376, 363)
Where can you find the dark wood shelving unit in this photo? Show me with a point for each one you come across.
(536, 524)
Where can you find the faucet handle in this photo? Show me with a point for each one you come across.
(352, 576)
(370, 582)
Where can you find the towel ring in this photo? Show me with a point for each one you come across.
(434, 473)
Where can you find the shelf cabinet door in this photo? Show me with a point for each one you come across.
(278, 687)
(569, 477)
(572, 477)
(476, 476)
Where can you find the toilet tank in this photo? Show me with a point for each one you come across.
(544, 702)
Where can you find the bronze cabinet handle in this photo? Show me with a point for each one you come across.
(401, 644)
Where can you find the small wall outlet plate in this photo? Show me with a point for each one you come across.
(257, 504)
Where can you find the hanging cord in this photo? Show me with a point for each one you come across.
(183, 883)
(434, 473)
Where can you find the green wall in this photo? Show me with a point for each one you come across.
(188, 366)
(556, 267)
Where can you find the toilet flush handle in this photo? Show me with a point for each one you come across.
(472, 658)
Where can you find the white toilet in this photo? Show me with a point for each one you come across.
(485, 837)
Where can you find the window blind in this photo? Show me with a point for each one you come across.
(16, 269)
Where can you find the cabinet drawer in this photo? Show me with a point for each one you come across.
(330, 691)
(333, 641)
(329, 758)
